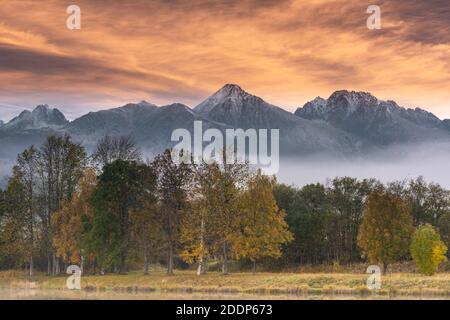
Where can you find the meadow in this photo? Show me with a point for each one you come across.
(184, 283)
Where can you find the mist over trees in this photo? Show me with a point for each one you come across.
(41, 181)
(114, 212)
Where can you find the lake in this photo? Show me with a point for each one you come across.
(51, 294)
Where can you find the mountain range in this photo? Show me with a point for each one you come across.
(375, 122)
(346, 123)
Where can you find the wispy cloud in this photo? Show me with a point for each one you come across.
(168, 50)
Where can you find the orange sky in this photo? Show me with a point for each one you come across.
(287, 52)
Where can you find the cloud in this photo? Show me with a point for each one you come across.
(164, 51)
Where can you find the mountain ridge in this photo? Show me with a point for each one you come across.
(378, 121)
(345, 123)
(41, 117)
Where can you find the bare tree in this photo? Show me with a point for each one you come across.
(110, 148)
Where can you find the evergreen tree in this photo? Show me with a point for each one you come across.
(117, 193)
(145, 220)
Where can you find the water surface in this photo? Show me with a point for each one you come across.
(51, 294)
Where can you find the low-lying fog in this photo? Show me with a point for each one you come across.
(431, 161)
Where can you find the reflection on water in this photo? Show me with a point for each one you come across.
(44, 294)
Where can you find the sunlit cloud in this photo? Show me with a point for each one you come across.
(287, 52)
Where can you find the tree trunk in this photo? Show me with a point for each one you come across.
(49, 268)
(145, 258)
(170, 260)
(225, 258)
(58, 266)
(31, 265)
(385, 266)
(201, 269)
(82, 263)
(145, 264)
(254, 267)
(124, 234)
(31, 230)
(123, 266)
(53, 264)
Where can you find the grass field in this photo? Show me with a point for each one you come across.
(395, 284)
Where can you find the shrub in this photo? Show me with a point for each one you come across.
(427, 249)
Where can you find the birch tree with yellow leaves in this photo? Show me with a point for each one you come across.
(70, 220)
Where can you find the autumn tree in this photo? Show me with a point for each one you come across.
(61, 163)
(199, 226)
(229, 181)
(427, 249)
(70, 238)
(348, 196)
(173, 181)
(194, 235)
(385, 232)
(261, 224)
(444, 229)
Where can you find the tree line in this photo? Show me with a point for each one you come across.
(351, 221)
(112, 211)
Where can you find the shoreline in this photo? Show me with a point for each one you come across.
(271, 285)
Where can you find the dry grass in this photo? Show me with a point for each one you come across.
(394, 284)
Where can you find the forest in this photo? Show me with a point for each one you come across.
(114, 212)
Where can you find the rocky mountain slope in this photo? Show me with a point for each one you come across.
(345, 124)
(376, 123)
(41, 117)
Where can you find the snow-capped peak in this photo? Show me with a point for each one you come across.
(231, 95)
(132, 106)
(352, 99)
(144, 103)
(41, 117)
(178, 108)
(314, 109)
(42, 108)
